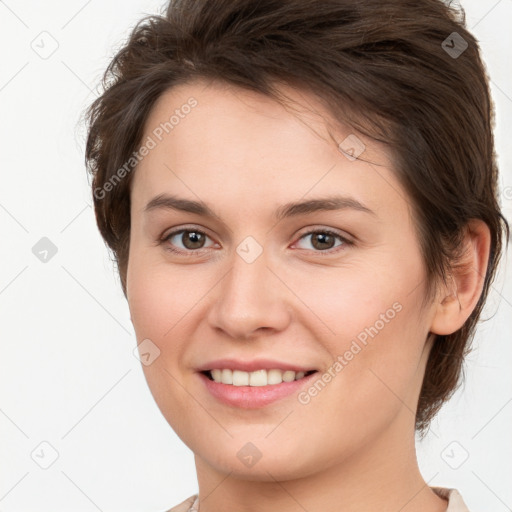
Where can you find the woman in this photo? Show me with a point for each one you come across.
(301, 200)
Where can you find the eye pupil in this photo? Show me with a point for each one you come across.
(324, 238)
(197, 239)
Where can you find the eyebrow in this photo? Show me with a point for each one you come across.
(166, 201)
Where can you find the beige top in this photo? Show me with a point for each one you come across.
(455, 502)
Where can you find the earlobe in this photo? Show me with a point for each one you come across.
(456, 301)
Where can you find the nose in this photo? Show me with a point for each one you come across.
(251, 299)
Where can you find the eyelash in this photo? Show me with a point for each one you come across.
(345, 242)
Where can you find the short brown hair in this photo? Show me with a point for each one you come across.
(406, 73)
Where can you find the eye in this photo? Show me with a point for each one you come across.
(324, 240)
(192, 240)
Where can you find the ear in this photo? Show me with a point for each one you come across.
(455, 303)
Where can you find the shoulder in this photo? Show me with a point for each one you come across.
(185, 506)
(455, 501)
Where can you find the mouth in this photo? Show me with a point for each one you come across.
(258, 378)
(256, 389)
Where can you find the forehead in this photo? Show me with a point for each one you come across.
(244, 122)
(214, 138)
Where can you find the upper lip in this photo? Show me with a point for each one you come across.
(252, 365)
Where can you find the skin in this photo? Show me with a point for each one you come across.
(352, 446)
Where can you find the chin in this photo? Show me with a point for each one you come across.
(259, 459)
(268, 469)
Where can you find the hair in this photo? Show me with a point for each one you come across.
(382, 68)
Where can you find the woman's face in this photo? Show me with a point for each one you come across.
(337, 289)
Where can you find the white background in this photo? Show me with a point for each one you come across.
(68, 373)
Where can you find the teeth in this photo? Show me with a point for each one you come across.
(288, 376)
(257, 378)
(240, 378)
(274, 377)
(227, 376)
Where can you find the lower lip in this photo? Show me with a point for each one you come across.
(253, 397)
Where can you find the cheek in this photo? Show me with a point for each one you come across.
(158, 298)
(148, 314)
(372, 381)
(375, 331)
(155, 310)
(158, 313)
(347, 301)
(381, 374)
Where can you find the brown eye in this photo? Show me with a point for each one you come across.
(325, 241)
(322, 241)
(186, 240)
(192, 239)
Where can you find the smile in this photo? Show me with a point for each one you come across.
(256, 378)
(255, 389)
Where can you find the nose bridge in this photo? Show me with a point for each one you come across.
(250, 295)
